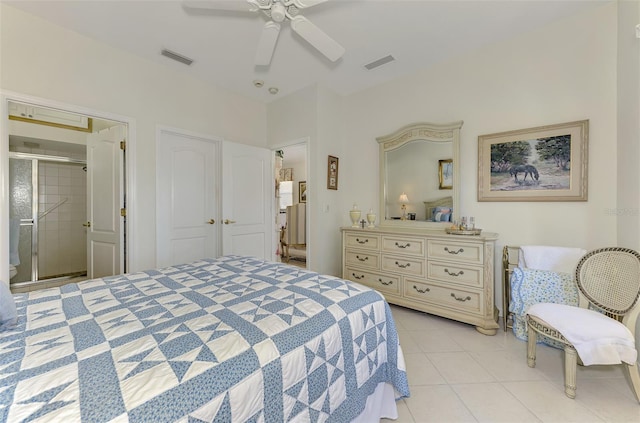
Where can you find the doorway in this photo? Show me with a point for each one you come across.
(49, 201)
(292, 194)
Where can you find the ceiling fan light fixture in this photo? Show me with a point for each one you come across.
(278, 12)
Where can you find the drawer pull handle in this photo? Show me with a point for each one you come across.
(461, 250)
(408, 244)
(403, 266)
(362, 259)
(452, 273)
(422, 291)
(356, 276)
(364, 241)
(460, 298)
(385, 283)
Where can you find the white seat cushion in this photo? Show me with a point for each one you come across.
(598, 339)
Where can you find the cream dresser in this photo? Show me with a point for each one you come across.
(427, 270)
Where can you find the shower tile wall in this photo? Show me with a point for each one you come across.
(62, 238)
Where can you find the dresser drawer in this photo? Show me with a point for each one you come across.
(362, 259)
(382, 283)
(404, 265)
(362, 241)
(453, 250)
(454, 298)
(403, 245)
(456, 273)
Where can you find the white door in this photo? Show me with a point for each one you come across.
(105, 255)
(186, 213)
(247, 187)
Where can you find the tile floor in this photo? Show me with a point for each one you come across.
(44, 284)
(457, 374)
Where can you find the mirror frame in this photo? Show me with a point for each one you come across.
(428, 132)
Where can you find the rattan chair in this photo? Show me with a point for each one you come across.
(609, 283)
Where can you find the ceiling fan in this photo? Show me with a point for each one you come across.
(278, 11)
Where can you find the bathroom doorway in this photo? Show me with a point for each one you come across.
(292, 222)
(50, 197)
(47, 199)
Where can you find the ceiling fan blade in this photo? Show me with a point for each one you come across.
(267, 43)
(224, 5)
(317, 38)
(302, 4)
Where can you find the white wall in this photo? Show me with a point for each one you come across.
(316, 113)
(560, 73)
(50, 62)
(628, 170)
(563, 72)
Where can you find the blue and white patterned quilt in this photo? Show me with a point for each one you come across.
(229, 339)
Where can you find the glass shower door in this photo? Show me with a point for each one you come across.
(23, 208)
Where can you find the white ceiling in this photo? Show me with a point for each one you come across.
(418, 33)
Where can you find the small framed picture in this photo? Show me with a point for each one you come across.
(445, 173)
(302, 192)
(332, 173)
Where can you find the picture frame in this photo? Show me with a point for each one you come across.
(332, 173)
(302, 191)
(545, 163)
(445, 174)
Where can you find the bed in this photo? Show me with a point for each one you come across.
(439, 210)
(218, 340)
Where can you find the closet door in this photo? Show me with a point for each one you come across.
(247, 192)
(187, 169)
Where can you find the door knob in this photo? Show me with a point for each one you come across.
(211, 222)
(227, 221)
(87, 225)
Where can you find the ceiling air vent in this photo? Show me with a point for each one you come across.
(379, 62)
(177, 57)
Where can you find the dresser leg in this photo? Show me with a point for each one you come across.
(484, 331)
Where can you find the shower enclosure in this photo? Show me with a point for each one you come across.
(47, 200)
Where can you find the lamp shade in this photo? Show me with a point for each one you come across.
(403, 198)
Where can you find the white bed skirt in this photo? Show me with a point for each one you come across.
(380, 404)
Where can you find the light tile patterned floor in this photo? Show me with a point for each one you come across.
(457, 374)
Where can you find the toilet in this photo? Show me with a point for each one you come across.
(12, 271)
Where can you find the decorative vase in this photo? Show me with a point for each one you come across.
(371, 218)
(355, 216)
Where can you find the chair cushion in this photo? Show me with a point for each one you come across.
(8, 313)
(533, 286)
(598, 339)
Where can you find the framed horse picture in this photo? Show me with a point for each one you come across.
(546, 163)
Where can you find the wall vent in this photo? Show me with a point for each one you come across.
(379, 62)
(177, 57)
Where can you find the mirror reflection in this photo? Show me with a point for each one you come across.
(418, 175)
(413, 180)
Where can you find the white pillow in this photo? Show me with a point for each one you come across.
(8, 312)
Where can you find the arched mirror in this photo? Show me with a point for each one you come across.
(419, 175)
